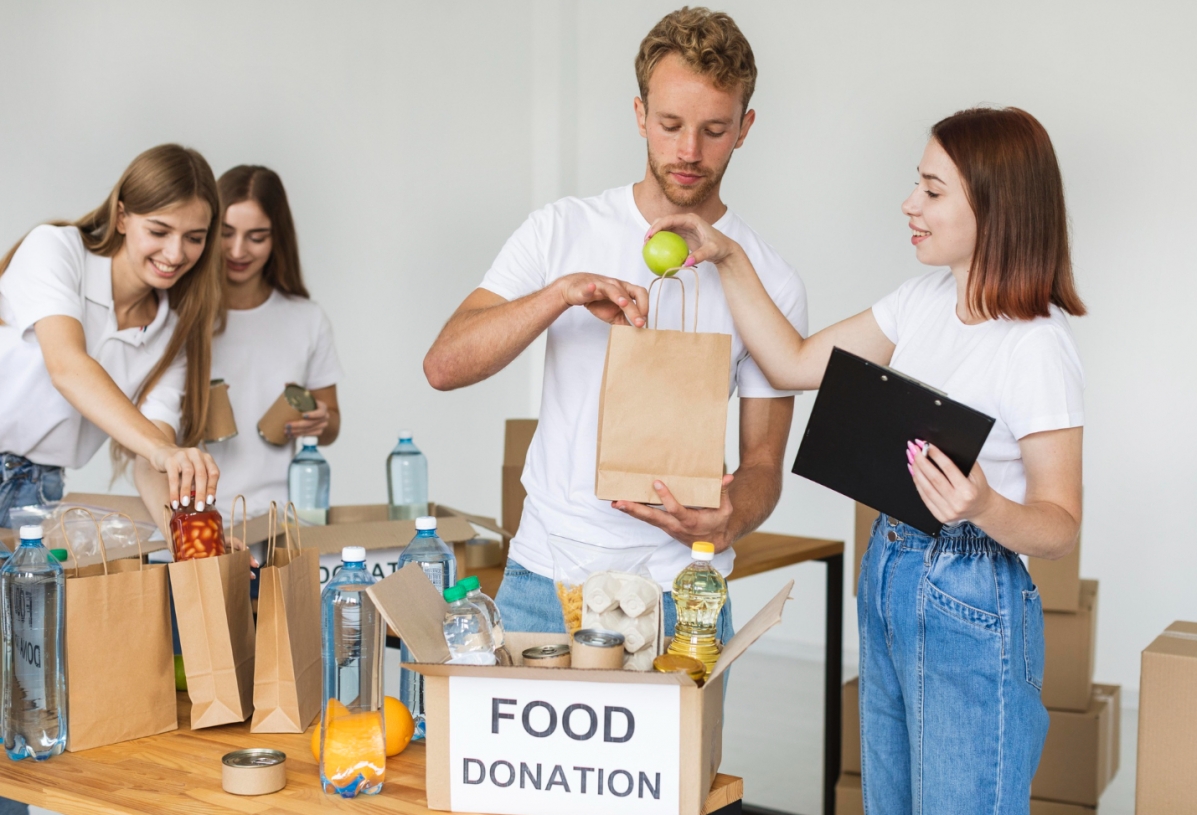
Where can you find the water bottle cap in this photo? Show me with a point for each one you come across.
(32, 532)
(353, 554)
(455, 593)
(404, 435)
(308, 441)
(59, 554)
(425, 523)
(470, 583)
(701, 550)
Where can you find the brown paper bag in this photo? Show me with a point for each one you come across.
(663, 412)
(216, 630)
(287, 665)
(119, 661)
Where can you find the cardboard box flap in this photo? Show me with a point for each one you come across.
(618, 677)
(412, 607)
(489, 524)
(367, 525)
(1178, 639)
(765, 619)
(516, 440)
(131, 505)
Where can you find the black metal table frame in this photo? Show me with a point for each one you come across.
(833, 680)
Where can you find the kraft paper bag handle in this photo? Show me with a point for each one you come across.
(244, 521)
(170, 533)
(67, 538)
(291, 514)
(136, 536)
(668, 276)
(272, 533)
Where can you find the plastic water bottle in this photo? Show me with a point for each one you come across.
(352, 724)
(467, 632)
(35, 702)
(308, 482)
(491, 612)
(407, 480)
(699, 593)
(440, 567)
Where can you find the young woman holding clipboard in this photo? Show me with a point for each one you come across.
(105, 331)
(274, 335)
(951, 627)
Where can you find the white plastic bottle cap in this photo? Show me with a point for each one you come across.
(33, 532)
(425, 522)
(308, 441)
(404, 435)
(353, 554)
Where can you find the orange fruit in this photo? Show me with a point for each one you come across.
(354, 747)
(400, 725)
(335, 708)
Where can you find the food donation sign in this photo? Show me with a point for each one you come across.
(527, 747)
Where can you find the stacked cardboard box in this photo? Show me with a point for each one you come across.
(1168, 723)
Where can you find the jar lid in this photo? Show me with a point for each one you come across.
(675, 663)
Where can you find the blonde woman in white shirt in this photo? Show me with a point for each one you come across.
(274, 335)
(951, 626)
(105, 331)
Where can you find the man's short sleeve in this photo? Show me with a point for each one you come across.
(751, 382)
(324, 367)
(44, 279)
(165, 402)
(520, 268)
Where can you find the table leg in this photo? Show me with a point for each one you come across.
(833, 680)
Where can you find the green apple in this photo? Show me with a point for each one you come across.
(665, 251)
(180, 674)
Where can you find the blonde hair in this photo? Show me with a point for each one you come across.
(159, 178)
(708, 41)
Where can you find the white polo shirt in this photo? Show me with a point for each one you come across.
(605, 235)
(286, 339)
(52, 274)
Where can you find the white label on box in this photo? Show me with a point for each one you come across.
(539, 747)
(380, 562)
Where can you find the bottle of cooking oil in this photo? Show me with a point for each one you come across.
(699, 593)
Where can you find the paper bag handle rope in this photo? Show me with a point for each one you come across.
(67, 538)
(668, 276)
(271, 533)
(136, 536)
(293, 514)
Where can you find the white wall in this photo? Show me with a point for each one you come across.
(414, 137)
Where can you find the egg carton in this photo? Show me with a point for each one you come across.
(631, 605)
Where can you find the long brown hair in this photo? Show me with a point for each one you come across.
(248, 182)
(159, 178)
(1022, 263)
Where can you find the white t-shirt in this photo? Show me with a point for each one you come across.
(286, 339)
(605, 235)
(53, 274)
(1026, 374)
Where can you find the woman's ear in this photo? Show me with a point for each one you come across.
(120, 217)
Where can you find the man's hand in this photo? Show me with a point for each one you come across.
(612, 301)
(685, 524)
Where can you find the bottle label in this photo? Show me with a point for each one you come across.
(435, 572)
(28, 635)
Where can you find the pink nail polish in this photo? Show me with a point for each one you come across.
(689, 261)
(909, 457)
(910, 469)
(920, 443)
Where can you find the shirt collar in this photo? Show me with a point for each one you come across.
(97, 280)
(97, 284)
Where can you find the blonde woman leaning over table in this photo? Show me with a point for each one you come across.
(951, 627)
(274, 335)
(106, 332)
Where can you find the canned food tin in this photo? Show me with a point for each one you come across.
(256, 771)
(547, 656)
(674, 663)
(597, 649)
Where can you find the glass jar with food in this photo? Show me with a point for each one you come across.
(196, 533)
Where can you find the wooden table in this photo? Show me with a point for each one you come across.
(179, 772)
(762, 552)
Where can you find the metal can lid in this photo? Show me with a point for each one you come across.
(546, 651)
(674, 663)
(254, 757)
(598, 638)
(299, 398)
(213, 383)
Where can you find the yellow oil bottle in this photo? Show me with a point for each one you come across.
(699, 593)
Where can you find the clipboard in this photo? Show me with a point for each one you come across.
(863, 416)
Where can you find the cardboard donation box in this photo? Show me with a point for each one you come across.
(1081, 754)
(1059, 581)
(1070, 640)
(1056, 808)
(542, 741)
(516, 441)
(850, 731)
(1167, 766)
(369, 526)
(849, 797)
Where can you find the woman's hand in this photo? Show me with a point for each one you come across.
(188, 470)
(313, 423)
(948, 493)
(237, 545)
(706, 243)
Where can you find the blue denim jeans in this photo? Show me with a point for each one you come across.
(23, 484)
(951, 666)
(528, 602)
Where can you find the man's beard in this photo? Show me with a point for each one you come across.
(690, 196)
